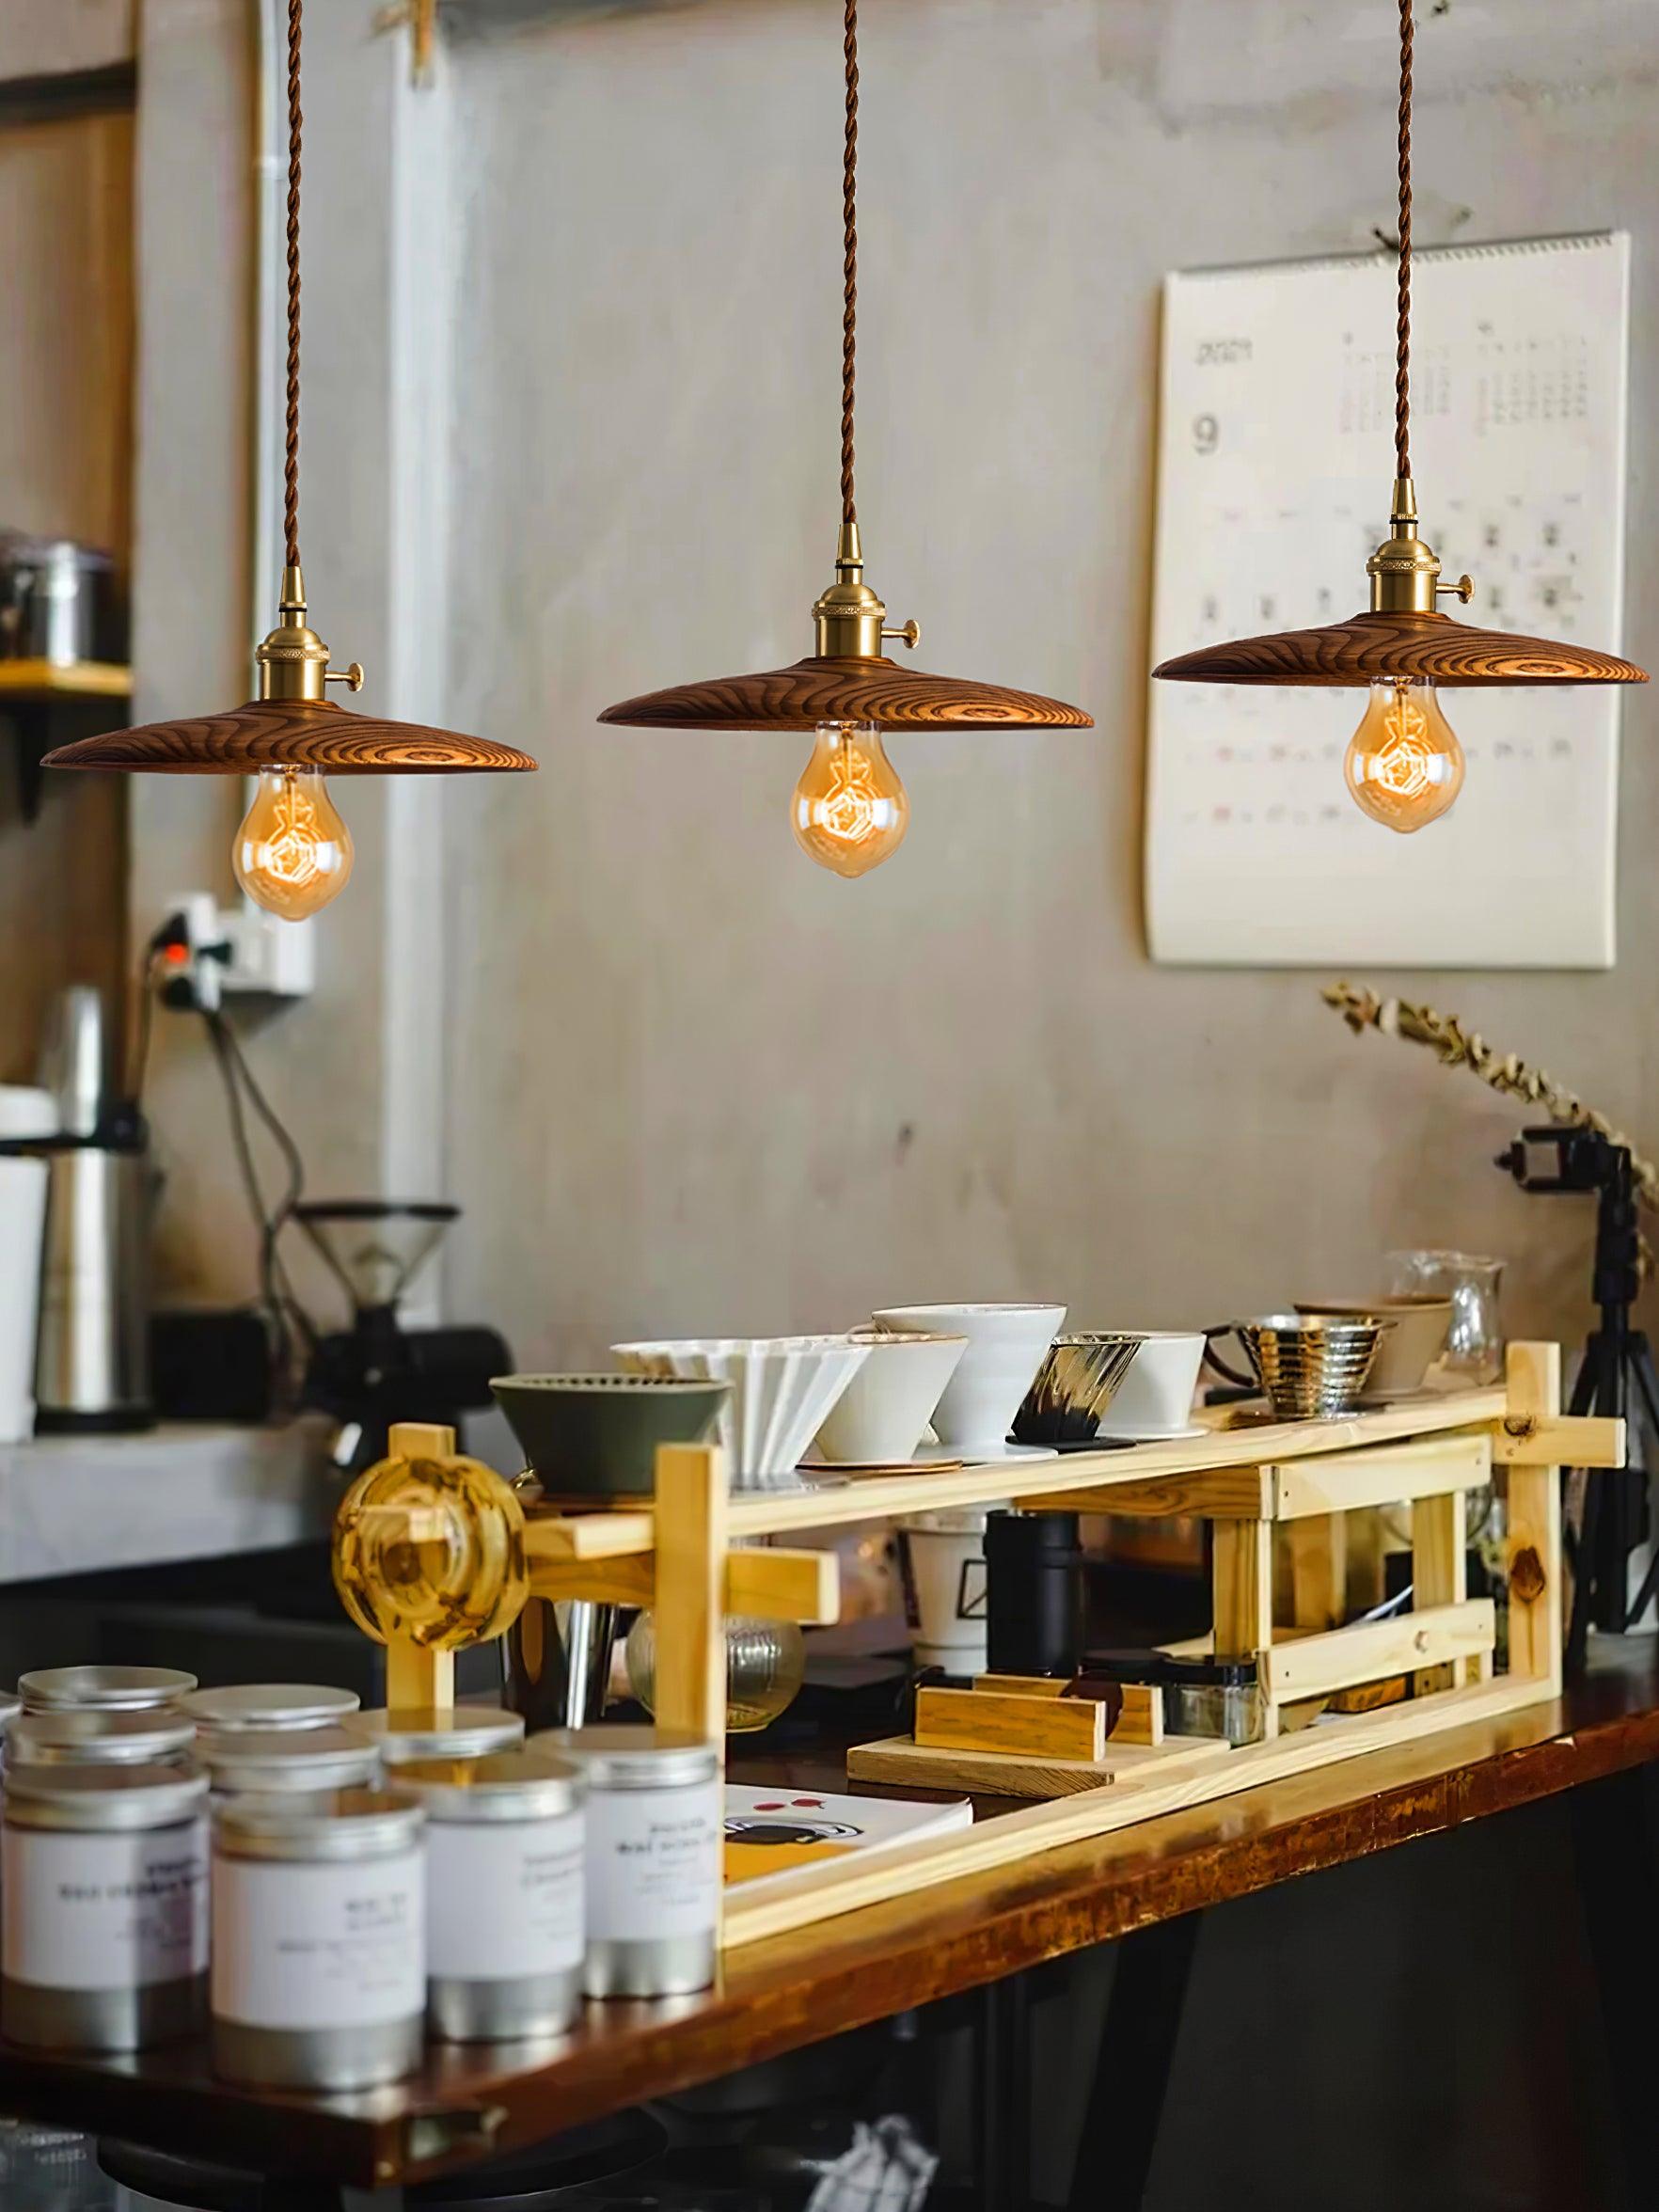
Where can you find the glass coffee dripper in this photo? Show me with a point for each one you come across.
(1475, 1343)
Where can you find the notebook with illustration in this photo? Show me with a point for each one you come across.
(771, 1833)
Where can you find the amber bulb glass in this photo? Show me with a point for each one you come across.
(430, 1552)
(293, 853)
(1404, 764)
(849, 808)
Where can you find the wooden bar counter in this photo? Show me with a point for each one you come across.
(781, 1993)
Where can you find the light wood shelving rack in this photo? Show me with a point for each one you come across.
(697, 1553)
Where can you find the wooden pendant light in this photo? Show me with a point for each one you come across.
(292, 724)
(1402, 636)
(848, 679)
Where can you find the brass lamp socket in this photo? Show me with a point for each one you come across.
(292, 662)
(851, 621)
(1405, 571)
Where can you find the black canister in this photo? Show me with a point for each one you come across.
(1035, 1593)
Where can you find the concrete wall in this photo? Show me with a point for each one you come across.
(703, 1084)
(692, 1082)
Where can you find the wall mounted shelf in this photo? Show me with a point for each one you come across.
(49, 702)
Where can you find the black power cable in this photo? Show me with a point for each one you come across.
(287, 1313)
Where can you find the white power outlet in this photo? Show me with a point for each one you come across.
(241, 949)
(273, 958)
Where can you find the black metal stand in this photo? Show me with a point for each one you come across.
(1617, 1379)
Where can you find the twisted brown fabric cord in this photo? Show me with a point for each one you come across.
(291, 466)
(1402, 373)
(850, 210)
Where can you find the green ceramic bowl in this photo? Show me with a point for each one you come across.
(595, 1436)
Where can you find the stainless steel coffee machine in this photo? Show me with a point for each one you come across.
(92, 1354)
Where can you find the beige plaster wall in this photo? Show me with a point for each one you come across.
(692, 1082)
(700, 1085)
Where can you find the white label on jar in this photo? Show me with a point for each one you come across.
(503, 1899)
(112, 1911)
(335, 1944)
(654, 1862)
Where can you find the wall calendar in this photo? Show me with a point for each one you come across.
(1275, 466)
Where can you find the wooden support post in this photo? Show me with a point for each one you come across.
(1243, 1578)
(1536, 1585)
(1367, 1573)
(1318, 1571)
(1439, 1576)
(417, 1678)
(691, 1585)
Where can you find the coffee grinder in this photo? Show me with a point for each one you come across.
(378, 1371)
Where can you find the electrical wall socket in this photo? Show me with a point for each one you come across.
(242, 950)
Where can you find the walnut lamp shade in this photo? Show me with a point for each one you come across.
(1404, 765)
(849, 810)
(293, 853)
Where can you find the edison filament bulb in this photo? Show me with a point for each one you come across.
(849, 808)
(1404, 764)
(293, 852)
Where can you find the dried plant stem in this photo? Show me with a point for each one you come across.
(1459, 1048)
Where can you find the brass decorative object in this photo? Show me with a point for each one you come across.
(1507, 1073)
(292, 854)
(1404, 768)
(850, 810)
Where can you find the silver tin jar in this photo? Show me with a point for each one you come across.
(84, 1737)
(319, 1951)
(269, 1705)
(299, 1768)
(443, 1731)
(104, 1907)
(652, 1857)
(504, 1922)
(103, 1689)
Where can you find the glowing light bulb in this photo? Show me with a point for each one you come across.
(849, 808)
(293, 853)
(1404, 764)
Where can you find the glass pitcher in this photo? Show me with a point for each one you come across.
(1474, 1345)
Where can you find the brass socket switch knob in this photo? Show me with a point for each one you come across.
(351, 677)
(910, 632)
(1463, 589)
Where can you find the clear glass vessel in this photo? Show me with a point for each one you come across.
(1474, 1344)
(764, 1663)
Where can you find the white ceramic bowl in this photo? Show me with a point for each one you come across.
(881, 1415)
(1422, 1322)
(1155, 1398)
(781, 1389)
(1006, 1345)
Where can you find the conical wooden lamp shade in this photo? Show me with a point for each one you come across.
(1378, 646)
(292, 724)
(286, 733)
(846, 687)
(848, 680)
(1402, 638)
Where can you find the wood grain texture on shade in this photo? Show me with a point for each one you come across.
(831, 689)
(287, 733)
(1369, 647)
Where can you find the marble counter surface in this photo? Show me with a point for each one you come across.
(76, 1505)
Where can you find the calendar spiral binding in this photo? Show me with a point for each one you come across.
(1495, 249)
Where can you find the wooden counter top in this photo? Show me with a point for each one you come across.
(795, 1989)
